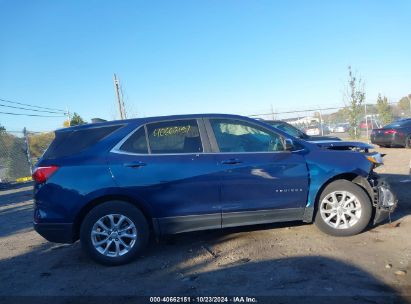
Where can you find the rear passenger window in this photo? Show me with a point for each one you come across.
(179, 136)
(136, 143)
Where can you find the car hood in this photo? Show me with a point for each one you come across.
(343, 145)
(321, 138)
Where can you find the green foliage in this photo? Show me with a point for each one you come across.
(404, 103)
(38, 143)
(356, 97)
(384, 110)
(340, 116)
(76, 120)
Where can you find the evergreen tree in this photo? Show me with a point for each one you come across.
(76, 120)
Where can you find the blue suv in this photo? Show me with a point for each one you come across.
(113, 184)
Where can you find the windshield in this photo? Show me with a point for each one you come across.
(289, 129)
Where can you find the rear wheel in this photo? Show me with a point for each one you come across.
(344, 209)
(114, 233)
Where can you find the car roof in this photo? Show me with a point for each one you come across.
(145, 120)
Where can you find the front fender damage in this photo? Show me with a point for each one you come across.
(383, 198)
(379, 190)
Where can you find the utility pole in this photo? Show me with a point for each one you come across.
(26, 141)
(321, 123)
(122, 101)
(119, 97)
(68, 116)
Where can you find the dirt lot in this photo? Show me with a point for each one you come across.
(254, 261)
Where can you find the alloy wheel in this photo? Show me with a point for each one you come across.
(114, 235)
(340, 209)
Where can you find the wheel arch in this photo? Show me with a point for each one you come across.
(359, 180)
(106, 198)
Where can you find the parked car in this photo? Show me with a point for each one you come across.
(317, 130)
(396, 134)
(293, 131)
(114, 184)
(372, 124)
(341, 128)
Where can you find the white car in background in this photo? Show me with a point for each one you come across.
(315, 130)
(341, 128)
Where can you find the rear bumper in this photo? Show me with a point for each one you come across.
(382, 141)
(388, 140)
(56, 232)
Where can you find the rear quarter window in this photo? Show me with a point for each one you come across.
(136, 143)
(71, 142)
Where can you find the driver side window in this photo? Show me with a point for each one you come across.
(240, 136)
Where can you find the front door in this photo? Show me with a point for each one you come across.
(261, 182)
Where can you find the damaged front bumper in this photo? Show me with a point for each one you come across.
(384, 199)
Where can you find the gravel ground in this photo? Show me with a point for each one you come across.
(283, 260)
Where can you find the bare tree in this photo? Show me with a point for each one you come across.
(356, 98)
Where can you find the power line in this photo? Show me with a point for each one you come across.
(28, 132)
(36, 115)
(29, 105)
(298, 111)
(26, 109)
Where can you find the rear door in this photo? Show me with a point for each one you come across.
(165, 165)
(260, 181)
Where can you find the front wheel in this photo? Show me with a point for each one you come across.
(114, 233)
(344, 209)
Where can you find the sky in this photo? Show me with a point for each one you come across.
(197, 56)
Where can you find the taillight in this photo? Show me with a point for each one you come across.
(42, 174)
(390, 132)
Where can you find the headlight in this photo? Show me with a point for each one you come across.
(375, 158)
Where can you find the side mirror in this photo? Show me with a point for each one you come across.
(289, 144)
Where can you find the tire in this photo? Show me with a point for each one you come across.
(349, 218)
(110, 244)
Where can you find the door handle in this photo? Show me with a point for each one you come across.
(231, 161)
(135, 164)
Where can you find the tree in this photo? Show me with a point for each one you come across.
(38, 143)
(2, 129)
(404, 103)
(76, 120)
(66, 123)
(384, 110)
(356, 97)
